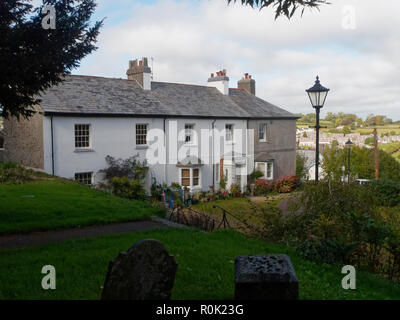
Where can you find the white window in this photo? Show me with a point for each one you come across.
(229, 132)
(141, 134)
(189, 136)
(262, 132)
(190, 177)
(82, 136)
(217, 173)
(85, 178)
(267, 168)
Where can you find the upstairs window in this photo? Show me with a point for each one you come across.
(141, 134)
(229, 132)
(84, 178)
(189, 133)
(82, 136)
(262, 132)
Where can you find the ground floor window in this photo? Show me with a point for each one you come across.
(267, 168)
(85, 178)
(190, 177)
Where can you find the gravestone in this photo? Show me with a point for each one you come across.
(145, 272)
(265, 277)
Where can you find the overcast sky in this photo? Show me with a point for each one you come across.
(359, 60)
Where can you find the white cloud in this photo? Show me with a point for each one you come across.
(189, 40)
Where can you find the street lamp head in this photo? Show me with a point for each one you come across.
(349, 144)
(317, 94)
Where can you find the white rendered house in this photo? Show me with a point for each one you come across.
(189, 134)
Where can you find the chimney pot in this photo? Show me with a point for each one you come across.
(140, 73)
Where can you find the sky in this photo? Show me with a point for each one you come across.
(353, 45)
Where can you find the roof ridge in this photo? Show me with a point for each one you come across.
(183, 84)
(87, 76)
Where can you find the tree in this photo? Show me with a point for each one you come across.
(301, 170)
(32, 58)
(283, 7)
(362, 163)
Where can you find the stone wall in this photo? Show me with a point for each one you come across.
(23, 141)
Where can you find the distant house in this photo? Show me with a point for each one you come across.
(190, 134)
(309, 155)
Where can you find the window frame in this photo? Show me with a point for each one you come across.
(264, 138)
(141, 135)
(191, 178)
(231, 131)
(84, 173)
(266, 163)
(89, 136)
(191, 134)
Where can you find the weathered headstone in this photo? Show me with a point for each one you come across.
(145, 272)
(265, 277)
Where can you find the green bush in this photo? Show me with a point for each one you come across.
(301, 170)
(13, 173)
(339, 223)
(386, 192)
(130, 189)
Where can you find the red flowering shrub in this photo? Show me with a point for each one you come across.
(263, 186)
(286, 184)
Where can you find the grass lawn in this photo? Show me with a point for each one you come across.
(205, 267)
(59, 203)
(241, 208)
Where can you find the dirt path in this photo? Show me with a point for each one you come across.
(46, 237)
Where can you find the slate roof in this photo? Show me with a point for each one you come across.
(90, 96)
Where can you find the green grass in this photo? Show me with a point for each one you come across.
(205, 267)
(59, 203)
(241, 208)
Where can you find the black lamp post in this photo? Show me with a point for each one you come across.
(317, 95)
(348, 144)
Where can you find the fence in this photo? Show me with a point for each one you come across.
(193, 218)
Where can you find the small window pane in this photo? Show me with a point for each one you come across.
(82, 136)
(185, 177)
(189, 133)
(141, 134)
(262, 131)
(84, 178)
(229, 132)
(195, 177)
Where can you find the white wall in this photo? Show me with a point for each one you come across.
(116, 137)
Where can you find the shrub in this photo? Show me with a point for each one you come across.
(235, 190)
(340, 223)
(286, 184)
(256, 174)
(14, 173)
(301, 170)
(130, 189)
(386, 192)
(263, 186)
(132, 168)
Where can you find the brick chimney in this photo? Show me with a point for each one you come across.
(220, 81)
(248, 84)
(141, 72)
